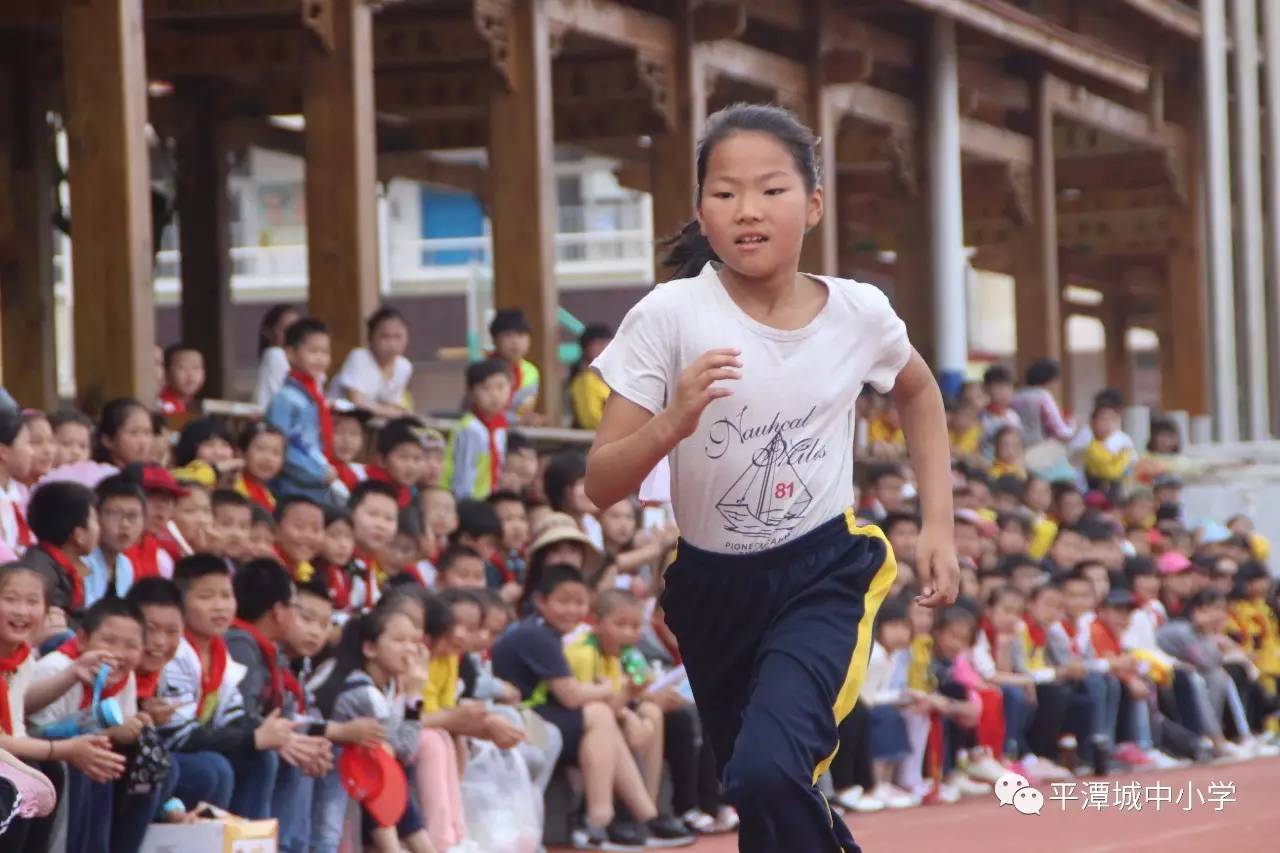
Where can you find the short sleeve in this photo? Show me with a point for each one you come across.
(544, 655)
(637, 362)
(893, 348)
(358, 373)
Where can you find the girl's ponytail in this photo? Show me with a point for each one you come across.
(688, 251)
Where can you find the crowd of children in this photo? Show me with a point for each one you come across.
(193, 614)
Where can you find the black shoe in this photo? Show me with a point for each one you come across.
(619, 836)
(626, 835)
(1101, 758)
(666, 832)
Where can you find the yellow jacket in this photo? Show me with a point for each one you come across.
(588, 393)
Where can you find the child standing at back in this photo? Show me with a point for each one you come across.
(301, 412)
(183, 379)
(402, 458)
(15, 463)
(729, 374)
(1109, 457)
(511, 341)
(477, 446)
(263, 448)
(377, 377)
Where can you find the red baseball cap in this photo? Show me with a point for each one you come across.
(156, 478)
(373, 777)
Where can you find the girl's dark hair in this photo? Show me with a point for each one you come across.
(438, 616)
(365, 628)
(267, 328)
(1042, 372)
(252, 430)
(382, 315)
(689, 251)
(194, 434)
(71, 416)
(11, 423)
(17, 567)
(1000, 592)
(114, 415)
(563, 471)
(1163, 425)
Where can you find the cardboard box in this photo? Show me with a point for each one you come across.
(212, 836)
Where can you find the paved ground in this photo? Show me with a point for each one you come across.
(1248, 824)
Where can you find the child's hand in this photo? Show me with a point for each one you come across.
(937, 568)
(159, 710)
(130, 729)
(502, 732)
(694, 391)
(668, 700)
(508, 694)
(93, 756)
(87, 665)
(273, 733)
(362, 730)
(511, 593)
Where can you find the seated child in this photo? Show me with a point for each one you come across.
(402, 556)
(122, 510)
(531, 657)
(348, 444)
(374, 518)
(154, 553)
(193, 521)
(65, 525)
(1109, 457)
(520, 472)
(204, 454)
(44, 451)
(73, 435)
(183, 379)
(299, 535)
(473, 459)
(1000, 658)
(22, 612)
(103, 815)
(15, 465)
(480, 529)
(377, 377)
(439, 521)
(372, 669)
(511, 341)
(233, 525)
(262, 532)
(202, 681)
(460, 567)
(301, 412)
(509, 560)
(402, 458)
(263, 448)
(1010, 457)
(336, 560)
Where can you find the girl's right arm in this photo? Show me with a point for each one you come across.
(631, 440)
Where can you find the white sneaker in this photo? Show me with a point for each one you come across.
(698, 821)
(1164, 761)
(968, 786)
(857, 800)
(894, 797)
(948, 793)
(1235, 751)
(986, 769)
(1046, 770)
(1262, 749)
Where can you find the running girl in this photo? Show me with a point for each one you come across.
(745, 373)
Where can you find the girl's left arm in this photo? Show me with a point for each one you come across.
(924, 421)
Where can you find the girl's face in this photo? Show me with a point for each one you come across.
(394, 649)
(265, 456)
(44, 451)
(569, 553)
(619, 524)
(390, 339)
(348, 439)
(755, 207)
(1146, 587)
(21, 607)
(73, 443)
(954, 639)
(339, 543)
(515, 524)
(159, 512)
(310, 628)
(215, 451)
(442, 512)
(463, 636)
(403, 551)
(895, 635)
(132, 442)
(1039, 495)
(1009, 447)
(194, 516)
(1165, 441)
(16, 458)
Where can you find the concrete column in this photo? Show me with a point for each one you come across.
(1271, 68)
(1252, 280)
(1217, 177)
(946, 207)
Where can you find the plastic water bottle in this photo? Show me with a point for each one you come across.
(101, 714)
(635, 665)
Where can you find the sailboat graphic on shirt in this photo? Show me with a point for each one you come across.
(769, 497)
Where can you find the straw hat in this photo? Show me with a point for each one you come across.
(559, 527)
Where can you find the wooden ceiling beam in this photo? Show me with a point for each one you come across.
(1078, 104)
(789, 79)
(615, 23)
(1174, 16)
(202, 10)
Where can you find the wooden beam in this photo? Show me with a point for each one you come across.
(787, 78)
(1173, 16)
(671, 156)
(1080, 105)
(1023, 29)
(616, 23)
(783, 14)
(27, 362)
(203, 10)
(714, 21)
(867, 103)
(1132, 169)
(1116, 322)
(988, 142)
(111, 242)
(521, 155)
(421, 166)
(341, 164)
(204, 219)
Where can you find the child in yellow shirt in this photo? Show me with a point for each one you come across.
(607, 655)
(1253, 623)
(1110, 455)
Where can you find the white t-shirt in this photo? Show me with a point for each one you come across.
(775, 459)
(273, 370)
(69, 703)
(360, 372)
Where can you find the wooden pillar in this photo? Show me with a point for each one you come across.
(913, 271)
(673, 182)
(1184, 369)
(521, 151)
(204, 241)
(341, 161)
(1037, 288)
(1116, 323)
(111, 243)
(27, 358)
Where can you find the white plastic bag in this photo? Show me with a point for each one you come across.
(498, 798)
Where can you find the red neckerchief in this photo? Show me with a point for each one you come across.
(69, 568)
(499, 561)
(493, 423)
(308, 383)
(1035, 632)
(144, 557)
(147, 683)
(210, 680)
(989, 629)
(8, 666)
(376, 472)
(412, 570)
(171, 402)
(71, 648)
(338, 585)
(276, 681)
(25, 537)
(1105, 643)
(346, 474)
(257, 491)
(170, 546)
(1069, 625)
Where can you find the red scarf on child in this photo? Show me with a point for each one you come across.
(25, 537)
(210, 679)
(338, 585)
(373, 576)
(1069, 625)
(171, 402)
(145, 557)
(379, 474)
(989, 629)
(8, 666)
(493, 423)
(71, 648)
(1035, 632)
(257, 491)
(69, 568)
(279, 679)
(308, 383)
(346, 474)
(147, 683)
(1105, 643)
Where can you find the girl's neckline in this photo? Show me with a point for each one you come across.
(764, 329)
